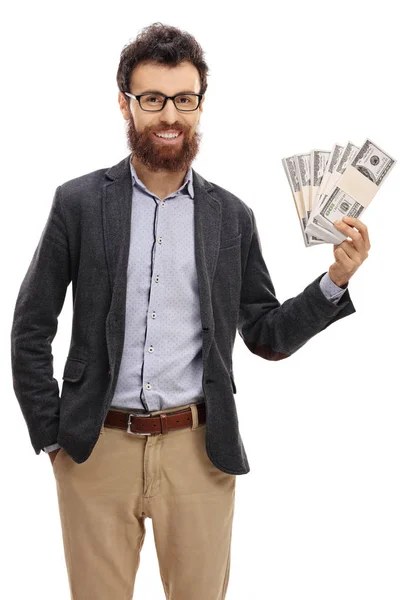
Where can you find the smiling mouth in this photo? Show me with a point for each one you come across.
(167, 139)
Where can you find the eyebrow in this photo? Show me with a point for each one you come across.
(158, 92)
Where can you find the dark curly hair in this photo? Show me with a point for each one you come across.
(165, 45)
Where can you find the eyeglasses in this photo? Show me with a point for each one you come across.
(156, 102)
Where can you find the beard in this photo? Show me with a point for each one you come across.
(158, 157)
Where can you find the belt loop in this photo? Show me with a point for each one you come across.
(164, 423)
(195, 416)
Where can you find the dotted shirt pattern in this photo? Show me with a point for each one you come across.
(161, 365)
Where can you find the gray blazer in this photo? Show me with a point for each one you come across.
(86, 241)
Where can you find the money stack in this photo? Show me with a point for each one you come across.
(326, 186)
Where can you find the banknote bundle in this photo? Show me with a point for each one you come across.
(327, 185)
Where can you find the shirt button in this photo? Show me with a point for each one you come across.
(148, 386)
(157, 278)
(163, 203)
(159, 240)
(151, 349)
(153, 315)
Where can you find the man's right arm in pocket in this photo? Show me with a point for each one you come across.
(39, 303)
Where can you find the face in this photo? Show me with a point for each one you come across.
(156, 153)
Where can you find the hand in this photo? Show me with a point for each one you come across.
(350, 254)
(53, 454)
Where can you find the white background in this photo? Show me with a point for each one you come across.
(317, 517)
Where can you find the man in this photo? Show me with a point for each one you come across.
(166, 267)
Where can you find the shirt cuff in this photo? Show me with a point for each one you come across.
(330, 290)
(51, 448)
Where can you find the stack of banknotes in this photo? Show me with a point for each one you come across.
(326, 186)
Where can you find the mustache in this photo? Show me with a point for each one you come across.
(167, 128)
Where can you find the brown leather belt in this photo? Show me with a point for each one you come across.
(148, 425)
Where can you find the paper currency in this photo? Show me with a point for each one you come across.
(318, 164)
(293, 176)
(347, 156)
(313, 228)
(328, 185)
(333, 161)
(303, 166)
(357, 185)
(292, 171)
(329, 233)
(330, 167)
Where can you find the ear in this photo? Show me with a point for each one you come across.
(123, 105)
(201, 104)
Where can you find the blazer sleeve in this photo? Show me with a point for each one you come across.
(273, 330)
(38, 305)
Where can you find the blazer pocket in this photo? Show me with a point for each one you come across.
(231, 242)
(73, 370)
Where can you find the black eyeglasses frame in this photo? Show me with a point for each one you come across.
(166, 98)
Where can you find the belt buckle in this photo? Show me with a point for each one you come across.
(128, 429)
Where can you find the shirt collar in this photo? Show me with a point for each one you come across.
(188, 181)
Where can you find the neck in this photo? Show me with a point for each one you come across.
(161, 183)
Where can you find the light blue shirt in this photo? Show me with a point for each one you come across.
(161, 364)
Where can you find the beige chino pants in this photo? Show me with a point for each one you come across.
(104, 501)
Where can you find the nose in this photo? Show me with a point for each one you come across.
(170, 110)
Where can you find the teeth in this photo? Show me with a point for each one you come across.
(167, 135)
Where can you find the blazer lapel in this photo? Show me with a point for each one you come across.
(207, 229)
(116, 207)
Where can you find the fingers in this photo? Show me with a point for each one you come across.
(351, 252)
(342, 257)
(354, 235)
(362, 228)
(360, 237)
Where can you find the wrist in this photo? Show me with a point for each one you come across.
(339, 281)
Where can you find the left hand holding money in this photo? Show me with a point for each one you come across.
(350, 254)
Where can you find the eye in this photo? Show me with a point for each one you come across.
(189, 100)
(152, 99)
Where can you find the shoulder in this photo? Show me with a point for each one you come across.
(89, 182)
(92, 183)
(230, 202)
(82, 194)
